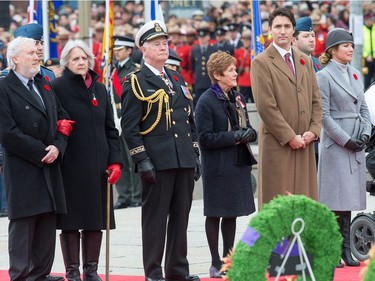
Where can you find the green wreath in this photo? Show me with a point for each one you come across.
(370, 270)
(321, 238)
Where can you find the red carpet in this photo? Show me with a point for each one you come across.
(342, 274)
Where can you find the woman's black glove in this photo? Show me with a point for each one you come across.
(198, 169)
(245, 135)
(365, 138)
(355, 145)
(146, 171)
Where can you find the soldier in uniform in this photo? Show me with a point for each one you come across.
(234, 35)
(198, 60)
(222, 42)
(173, 62)
(129, 186)
(304, 40)
(33, 31)
(158, 125)
(243, 66)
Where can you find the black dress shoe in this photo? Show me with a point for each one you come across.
(54, 278)
(137, 204)
(154, 279)
(183, 278)
(3, 213)
(120, 205)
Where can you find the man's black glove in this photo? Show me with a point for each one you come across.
(198, 169)
(146, 170)
(245, 135)
(355, 145)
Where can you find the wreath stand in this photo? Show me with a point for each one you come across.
(304, 261)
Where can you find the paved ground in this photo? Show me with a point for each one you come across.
(125, 241)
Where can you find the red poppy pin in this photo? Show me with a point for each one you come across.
(47, 88)
(302, 61)
(175, 77)
(355, 76)
(47, 78)
(94, 102)
(317, 66)
(123, 80)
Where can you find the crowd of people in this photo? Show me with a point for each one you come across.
(178, 112)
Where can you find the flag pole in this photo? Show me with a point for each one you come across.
(45, 10)
(107, 37)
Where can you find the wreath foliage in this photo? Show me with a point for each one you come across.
(369, 270)
(321, 238)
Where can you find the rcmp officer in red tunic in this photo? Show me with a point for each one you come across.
(243, 65)
(158, 126)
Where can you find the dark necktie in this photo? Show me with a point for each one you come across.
(289, 62)
(166, 81)
(34, 93)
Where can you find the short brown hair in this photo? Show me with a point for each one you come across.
(285, 12)
(218, 63)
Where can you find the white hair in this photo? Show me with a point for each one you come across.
(14, 48)
(71, 44)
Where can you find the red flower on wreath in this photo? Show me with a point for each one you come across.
(355, 76)
(302, 61)
(47, 78)
(47, 88)
(317, 66)
(175, 77)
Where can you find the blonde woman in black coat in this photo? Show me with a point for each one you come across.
(93, 148)
(224, 135)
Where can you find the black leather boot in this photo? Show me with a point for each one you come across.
(70, 249)
(345, 231)
(91, 241)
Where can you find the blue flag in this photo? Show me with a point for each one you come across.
(257, 39)
(38, 17)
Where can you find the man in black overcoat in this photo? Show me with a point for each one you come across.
(33, 132)
(162, 141)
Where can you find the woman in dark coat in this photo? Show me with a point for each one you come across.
(93, 148)
(224, 134)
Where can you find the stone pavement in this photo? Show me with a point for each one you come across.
(126, 244)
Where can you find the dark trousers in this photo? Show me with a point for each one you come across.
(129, 186)
(370, 163)
(165, 214)
(369, 77)
(31, 246)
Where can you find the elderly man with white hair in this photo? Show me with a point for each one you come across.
(158, 126)
(33, 132)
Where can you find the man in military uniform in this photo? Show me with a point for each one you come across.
(198, 61)
(304, 39)
(158, 126)
(33, 31)
(234, 35)
(129, 186)
(222, 42)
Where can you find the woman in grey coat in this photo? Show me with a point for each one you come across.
(224, 134)
(346, 130)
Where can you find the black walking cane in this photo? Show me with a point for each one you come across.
(107, 228)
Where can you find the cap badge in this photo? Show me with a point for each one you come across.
(157, 27)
